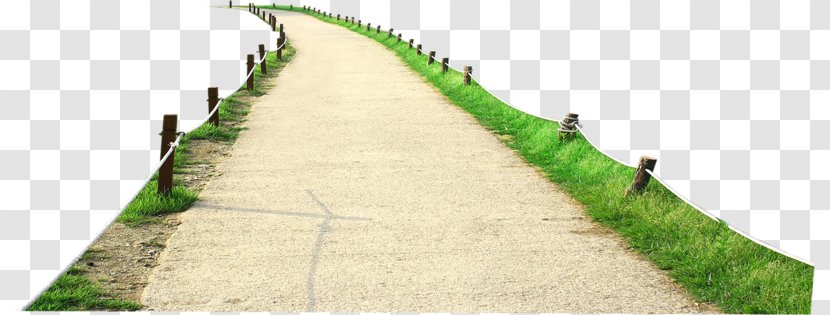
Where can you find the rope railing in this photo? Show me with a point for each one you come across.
(170, 136)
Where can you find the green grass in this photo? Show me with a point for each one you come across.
(74, 291)
(713, 263)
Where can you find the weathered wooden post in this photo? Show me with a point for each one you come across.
(250, 68)
(411, 41)
(567, 126)
(262, 65)
(282, 31)
(168, 136)
(445, 65)
(418, 48)
(431, 58)
(468, 73)
(213, 101)
(274, 24)
(280, 46)
(641, 176)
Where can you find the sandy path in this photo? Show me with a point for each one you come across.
(359, 188)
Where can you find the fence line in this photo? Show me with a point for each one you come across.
(164, 167)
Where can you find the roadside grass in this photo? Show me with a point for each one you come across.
(74, 291)
(715, 264)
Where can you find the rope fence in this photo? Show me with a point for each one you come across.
(171, 137)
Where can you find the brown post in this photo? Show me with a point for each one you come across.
(418, 48)
(280, 43)
(468, 73)
(642, 175)
(445, 65)
(250, 68)
(213, 101)
(273, 23)
(391, 30)
(399, 37)
(431, 58)
(411, 41)
(168, 136)
(282, 31)
(567, 127)
(262, 65)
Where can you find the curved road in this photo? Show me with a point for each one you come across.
(358, 187)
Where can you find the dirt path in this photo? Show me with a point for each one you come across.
(359, 188)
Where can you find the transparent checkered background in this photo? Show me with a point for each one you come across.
(697, 83)
(83, 88)
(732, 97)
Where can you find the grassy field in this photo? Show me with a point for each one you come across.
(715, 264)
(74, 291)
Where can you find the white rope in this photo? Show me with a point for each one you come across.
(256, 63)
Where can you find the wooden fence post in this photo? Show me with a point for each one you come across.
(250, 68)
(391, 30)
(168, 136)
(359, 23)
(468, 73)
(641, 176)
(282, 31)
(274, 24)
(567, 127)
(378, 31)
(262, 65)
(280, 44)
(411, 41)
(399, 37)
(431, 58)
(418, 48)
(445, 65)
(368, 27)
(213, 101)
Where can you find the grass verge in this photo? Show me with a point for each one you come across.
(715, 264)
(74, 291)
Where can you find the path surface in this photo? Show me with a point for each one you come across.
(360, 188)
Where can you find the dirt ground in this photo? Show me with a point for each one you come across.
(121, 260)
